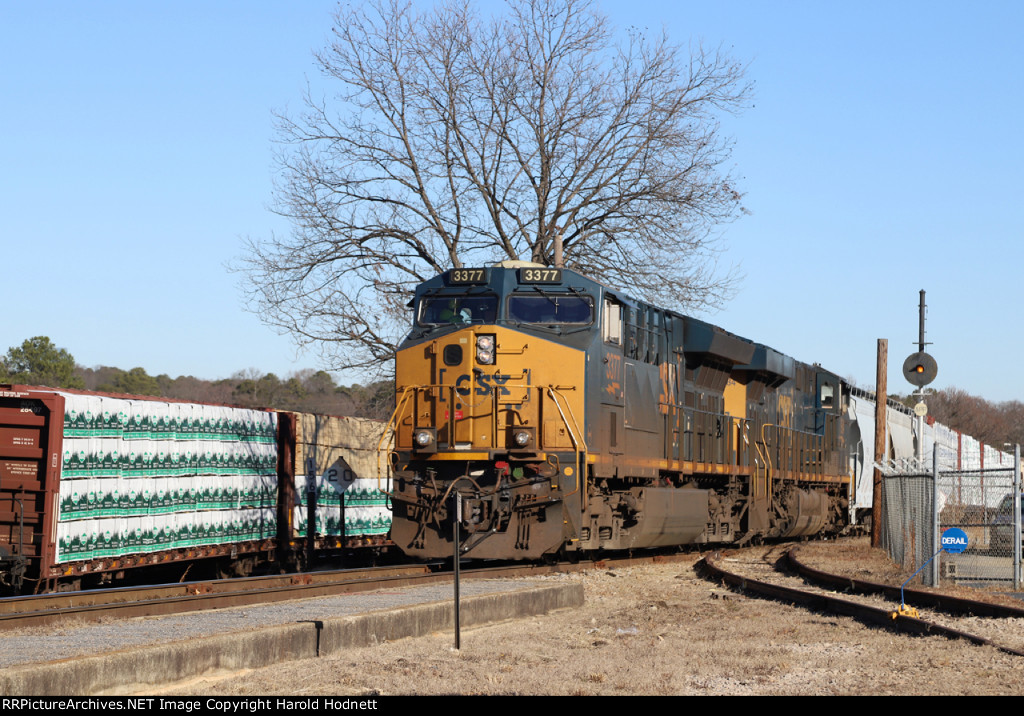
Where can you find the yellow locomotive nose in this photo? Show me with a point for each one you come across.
(489, 413)
(485, 391)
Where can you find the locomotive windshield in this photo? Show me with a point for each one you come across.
(447, 310)
(551, 308)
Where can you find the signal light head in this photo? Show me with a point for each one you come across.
(920, 369)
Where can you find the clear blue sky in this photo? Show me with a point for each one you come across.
(883, 155)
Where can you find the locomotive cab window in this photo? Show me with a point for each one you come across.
(827, 398)
(612, 322)
(458, 310)
(551, 308)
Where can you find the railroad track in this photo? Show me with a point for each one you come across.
(775, 572)
(779, 574)
(165, 599)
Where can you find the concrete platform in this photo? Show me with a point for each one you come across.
(127, 656)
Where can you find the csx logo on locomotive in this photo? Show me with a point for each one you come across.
(485, 384)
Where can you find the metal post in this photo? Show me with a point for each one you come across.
(1016, 519)
(932, 579)
(457, 511)
(920, 324)
(920, 435)
(920, 392)
(341, 522)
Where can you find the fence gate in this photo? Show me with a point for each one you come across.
(918, 506)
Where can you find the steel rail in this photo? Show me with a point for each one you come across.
(826, 602)
(912, 596)
(161, 600)
(115, 595)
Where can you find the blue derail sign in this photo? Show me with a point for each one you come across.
(954, 540)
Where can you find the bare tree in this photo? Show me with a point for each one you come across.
(456, 140)
(990, 423)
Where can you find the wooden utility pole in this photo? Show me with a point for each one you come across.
(880, 405)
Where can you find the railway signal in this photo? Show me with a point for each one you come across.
(920, 368)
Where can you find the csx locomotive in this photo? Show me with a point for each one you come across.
(547, 413)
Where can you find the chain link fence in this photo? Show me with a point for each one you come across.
(919, 505)
(908, 525)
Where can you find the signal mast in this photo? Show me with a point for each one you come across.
(920, 369)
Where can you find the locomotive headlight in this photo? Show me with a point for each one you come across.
(485, 349)
(425, 439)
(522, 437)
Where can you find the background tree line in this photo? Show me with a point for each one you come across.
(38, 361)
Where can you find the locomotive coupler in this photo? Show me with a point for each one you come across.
(491, 511)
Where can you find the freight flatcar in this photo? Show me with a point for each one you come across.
(540, 412)
(95, 487)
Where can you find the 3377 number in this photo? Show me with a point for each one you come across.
(467, 276)
(541, 275)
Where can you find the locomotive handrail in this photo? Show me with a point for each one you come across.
(581, 465)
(743, 456)
(389, 434)
(554, 392)
(767, 455)
(802, 454)
(692, 425)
